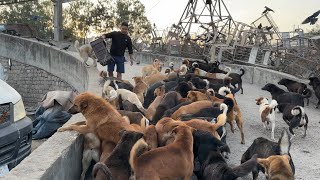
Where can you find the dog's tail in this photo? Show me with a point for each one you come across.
(77, 45)
(273, 104)
(100, 166)
(229, 102)
(284, 142)
(115, 84)
(228, 69)
(138, 148)
(307, 93)
(144, 123)
(223, 91)
(222, 118)
(297, 110)
(245, 168)
(211, 92)
(195, 65)
(242, 72)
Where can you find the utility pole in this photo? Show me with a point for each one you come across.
(57, 18)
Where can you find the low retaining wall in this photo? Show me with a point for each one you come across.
(59, 158)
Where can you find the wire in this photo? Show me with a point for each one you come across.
(153, 6)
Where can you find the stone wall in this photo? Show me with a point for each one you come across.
(31, 82)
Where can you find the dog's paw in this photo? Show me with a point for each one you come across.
(62, 129)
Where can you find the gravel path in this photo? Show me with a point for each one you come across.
(305, 151)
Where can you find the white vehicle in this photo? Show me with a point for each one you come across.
(15, 129)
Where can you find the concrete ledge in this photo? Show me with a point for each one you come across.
(59, 158)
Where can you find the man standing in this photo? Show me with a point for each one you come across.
(120, 41)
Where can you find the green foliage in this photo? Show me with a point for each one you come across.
(315, 31)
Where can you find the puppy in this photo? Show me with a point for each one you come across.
(140, 88)
(277, 167)
(158, 163)
(159, 92)
(117, 165)
(265, 148)
(85, 52)
(315, 83)
(267, 113)
(295, 117)
(91, 151)
(151, 69)
(217, 167)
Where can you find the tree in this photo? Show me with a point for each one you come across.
(34, 13)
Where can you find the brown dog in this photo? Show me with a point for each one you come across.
(140, 88)
(151, 69)
(159, 93)
(135, 118)
(162, 162)
(151, 137)
(153, 78)
(117, 165)
(191, 108)
(101, 118)
(277, 167)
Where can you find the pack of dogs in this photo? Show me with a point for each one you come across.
(173, 125)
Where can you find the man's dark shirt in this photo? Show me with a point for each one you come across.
(119, 43)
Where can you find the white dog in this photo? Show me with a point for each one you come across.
(85, 52)
(267, 113)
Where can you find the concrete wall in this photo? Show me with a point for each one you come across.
(32, 82)
(59, 158)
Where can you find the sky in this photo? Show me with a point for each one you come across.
(288, 13)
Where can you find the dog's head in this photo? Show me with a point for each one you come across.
(269, 87)
(159, 91)
(314, 81)
(261, 100)
(274, 163)
(137, 79)
(129, 136)
(192, 96)
(85, 101)
(186, 62)
(283, 81)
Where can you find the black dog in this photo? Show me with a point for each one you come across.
(117, 165)
(294, 116)
(170, 100)
(215, 167)
(294, 86)
(149, 97)
(237, 79)
(284, 97)
(315, 83)
(183, 88)
(265, 148)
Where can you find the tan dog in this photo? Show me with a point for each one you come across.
(153, 78)
(159, 93)
(151, 69)
(140, 88)
(191, 108)
(201, 72)
(135, 118)
(277, 167)
(151, 137)
(85, 52)
(101, 118)
(162, 162)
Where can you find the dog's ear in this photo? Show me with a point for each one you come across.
(122, 132)
(83, 104)
(174, 129)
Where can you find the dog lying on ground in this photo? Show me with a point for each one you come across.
(237, 79)
(267, 113)
(157, 163)
(277, 167)
(85, 52)
(265, 148)
(284, 97)
(151, 69)
(91, 151)
(200, 72)
(140, 88)
(294, 116)
(215, 167)
(294, 86)
(117, 164)
(101, 118)
(315, 83)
